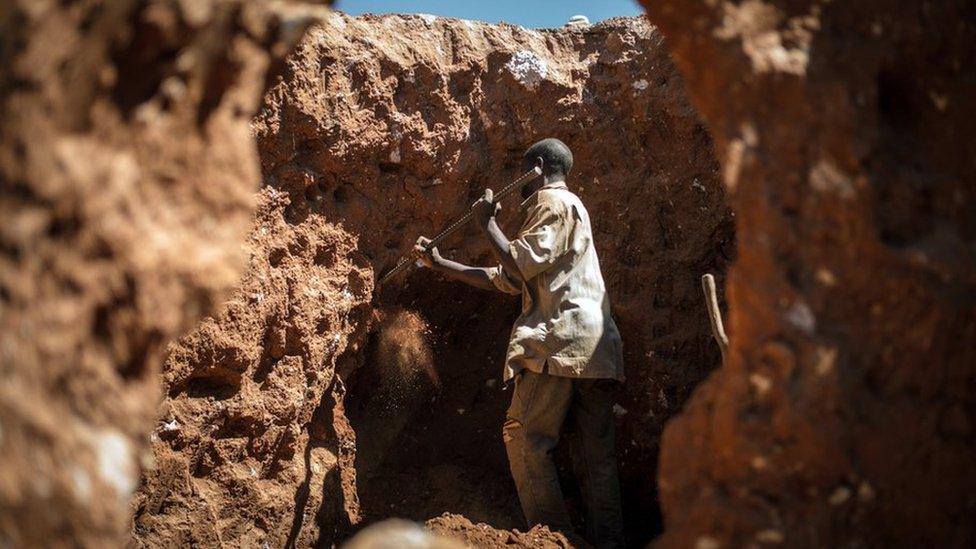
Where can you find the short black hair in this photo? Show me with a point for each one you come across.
(556, 155)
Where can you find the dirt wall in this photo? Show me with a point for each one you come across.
(845, 414)
(127, 171)
(277, 426)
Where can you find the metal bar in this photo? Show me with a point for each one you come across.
(407, 261)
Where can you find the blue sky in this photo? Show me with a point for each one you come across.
(527, 13)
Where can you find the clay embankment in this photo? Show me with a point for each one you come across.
(127, 171)
(845, 416)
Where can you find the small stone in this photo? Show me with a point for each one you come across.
(801, 317)
(825, 277)
(761, 383)
(619, 410)
(578, 21)
(865, 492)
(528, 68)
(707, 542)
(840, 495)
(769, 536)
(826, 356)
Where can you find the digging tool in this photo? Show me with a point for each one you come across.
(715, 314)
(406, 262)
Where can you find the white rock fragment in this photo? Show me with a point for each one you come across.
(619, 410)
(578, 22)
(336, 20)
(395, 156)
(115, 463)
(170, 426)
(427, 18)
(697, 185)
(528, 68)
(640, 85)
(801, 317)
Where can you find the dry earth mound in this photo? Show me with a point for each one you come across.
(302, 410)
(845, 416)
(127, 171)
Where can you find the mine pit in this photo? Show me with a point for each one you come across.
(194, 214)
(318, 401)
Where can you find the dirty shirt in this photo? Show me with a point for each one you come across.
(565, 321)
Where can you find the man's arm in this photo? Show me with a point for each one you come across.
(485, 211)
(474, 276)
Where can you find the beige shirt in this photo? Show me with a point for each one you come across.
(565, 318)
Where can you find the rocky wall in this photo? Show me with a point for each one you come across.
(127, 173)
(845, 414)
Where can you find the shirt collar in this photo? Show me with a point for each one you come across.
(554, 185)
(535, 195)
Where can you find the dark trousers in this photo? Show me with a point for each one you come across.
(539, 406)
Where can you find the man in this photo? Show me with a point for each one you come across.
(565, 350)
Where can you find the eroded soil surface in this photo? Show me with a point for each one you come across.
(845, 415)
(127, 170)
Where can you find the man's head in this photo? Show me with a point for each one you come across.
(556, 159)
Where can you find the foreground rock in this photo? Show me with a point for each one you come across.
(845, 415)
(126, 179)
(300, 411)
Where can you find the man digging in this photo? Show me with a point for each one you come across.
(564, 352)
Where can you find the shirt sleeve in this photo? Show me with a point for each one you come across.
(503, 282)
(541, 241)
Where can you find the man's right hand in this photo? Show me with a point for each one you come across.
(427, 257)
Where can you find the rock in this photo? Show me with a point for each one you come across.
(395, 534)
(127, 171)
(844, 129)
(578, 22)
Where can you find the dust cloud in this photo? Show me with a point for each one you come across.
(403, 358)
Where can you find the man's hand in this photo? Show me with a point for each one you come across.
(427, 257)
(485, 209)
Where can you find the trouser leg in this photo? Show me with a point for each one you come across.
(539, 406)
(593, 411)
